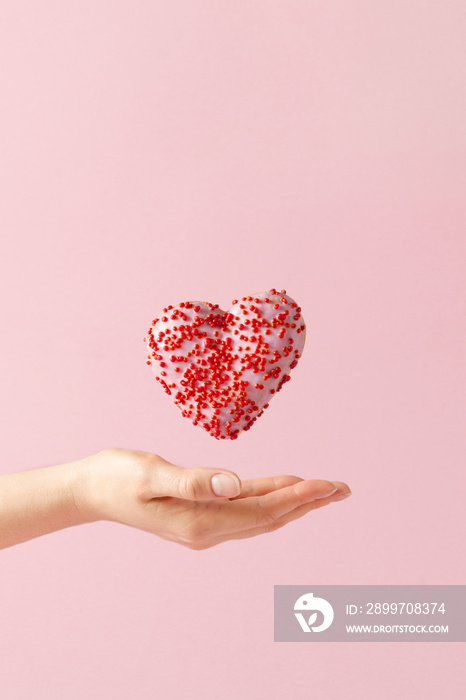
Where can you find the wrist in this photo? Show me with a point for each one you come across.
(99, 481)
(83, 491)
(40, 501)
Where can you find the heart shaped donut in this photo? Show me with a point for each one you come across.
(223, 367)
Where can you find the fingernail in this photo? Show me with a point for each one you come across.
(342, 496)
(326, 494)
(225, 485)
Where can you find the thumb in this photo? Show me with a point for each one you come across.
(195, 484)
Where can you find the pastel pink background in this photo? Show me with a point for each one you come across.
(153, 152)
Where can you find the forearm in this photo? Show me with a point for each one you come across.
(39, 501)
(143, 490)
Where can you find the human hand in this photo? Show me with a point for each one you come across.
(143, 490)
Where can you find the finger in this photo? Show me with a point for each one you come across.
(259, 511)
(307, 507)
(281, 522)
(261, 486)
(193, 484)
(343, 491)
(276, 504)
